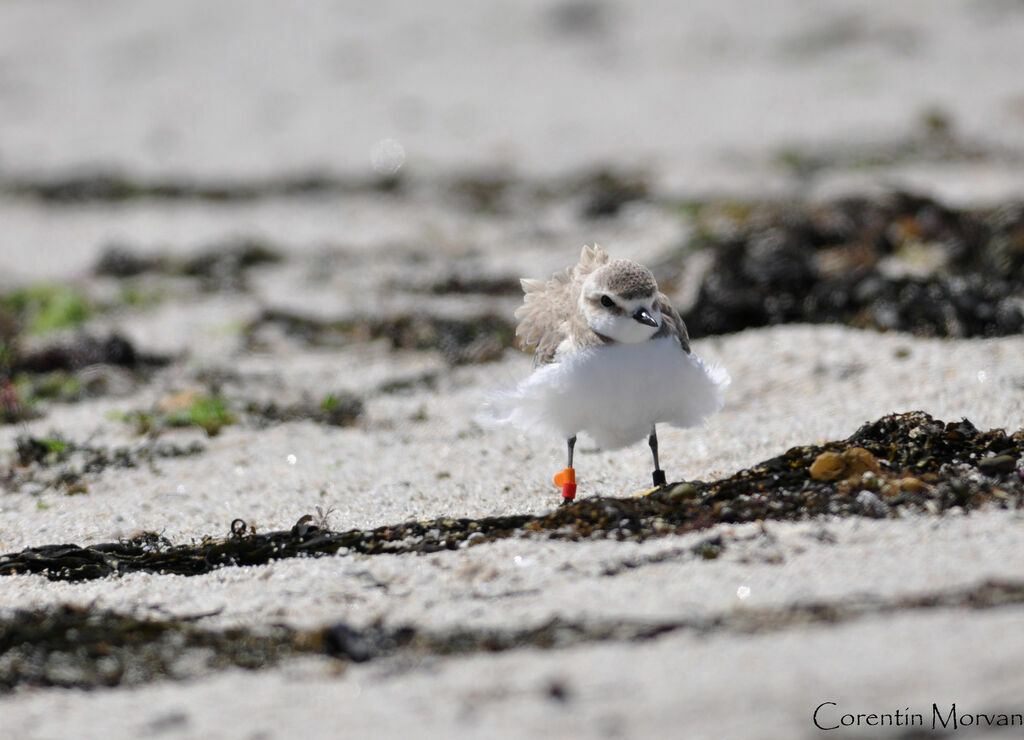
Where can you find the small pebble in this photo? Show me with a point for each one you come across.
(998, 464)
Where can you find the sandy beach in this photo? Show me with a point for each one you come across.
(259, 265)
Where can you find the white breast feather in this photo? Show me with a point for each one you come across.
(614, 393)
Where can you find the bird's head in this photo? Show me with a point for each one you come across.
(619, 301)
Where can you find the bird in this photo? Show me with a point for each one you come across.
(612, 359)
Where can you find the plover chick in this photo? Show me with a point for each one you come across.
(611, 358)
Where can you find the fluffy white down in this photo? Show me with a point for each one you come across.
(613, 393)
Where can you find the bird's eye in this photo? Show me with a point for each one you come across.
(607, 302)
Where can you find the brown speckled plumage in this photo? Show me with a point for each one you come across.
(629, 280)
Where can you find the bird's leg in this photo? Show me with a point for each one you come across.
(658, 476)
(567, 478)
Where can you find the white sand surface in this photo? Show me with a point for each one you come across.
(793, 385)
(421, 455)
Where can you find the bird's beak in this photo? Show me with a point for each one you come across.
(643, 317)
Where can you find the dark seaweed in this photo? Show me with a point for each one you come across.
(74, 647)
(478, 339)
(802, 263)
(219, 266)
(84, 350)
(340, 409)
(114, 187)
(605, 192)
(916, 463)
(65, 464)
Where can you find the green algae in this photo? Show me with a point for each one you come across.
(46, 307)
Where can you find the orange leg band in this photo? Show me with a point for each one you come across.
(566, 476)
(566, 480)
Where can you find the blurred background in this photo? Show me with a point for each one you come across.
(706, 96)
(167, 110)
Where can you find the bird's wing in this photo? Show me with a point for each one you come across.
(549, 305)
(672, 323)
